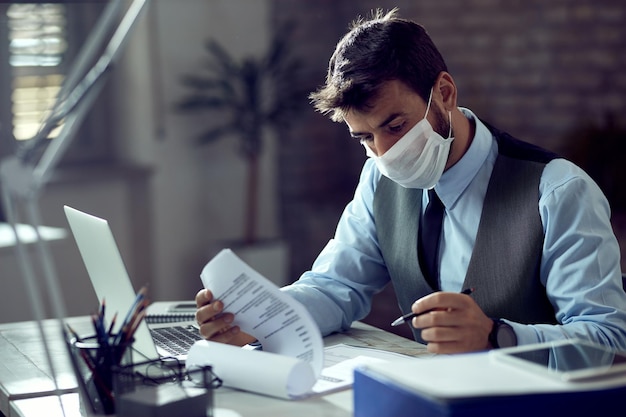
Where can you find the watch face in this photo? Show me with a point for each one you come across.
(506, 336)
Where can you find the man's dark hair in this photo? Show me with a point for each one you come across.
(379, 49)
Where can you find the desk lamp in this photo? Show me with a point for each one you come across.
(24, 174)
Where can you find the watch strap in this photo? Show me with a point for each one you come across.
(493, 338)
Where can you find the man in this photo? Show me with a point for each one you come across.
(529, 231)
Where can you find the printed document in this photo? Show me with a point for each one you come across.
(283, 376)
(341, 360)
(293, 362)
(280, 323)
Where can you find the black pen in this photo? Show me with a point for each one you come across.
(409, 316)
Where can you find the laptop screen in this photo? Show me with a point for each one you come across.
(107, 272)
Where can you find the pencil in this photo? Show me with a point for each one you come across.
(409, 316)
(139, 303)
(110, 332)
(73, 332)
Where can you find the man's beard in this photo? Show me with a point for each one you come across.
(442, 123)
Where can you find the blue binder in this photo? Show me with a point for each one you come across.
(376, 395)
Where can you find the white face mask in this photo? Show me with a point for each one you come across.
(418, 158)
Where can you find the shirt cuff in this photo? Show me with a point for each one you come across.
(526, 335)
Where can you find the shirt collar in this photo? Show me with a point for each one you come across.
(457, 178)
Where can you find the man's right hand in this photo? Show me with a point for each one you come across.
(215, 325)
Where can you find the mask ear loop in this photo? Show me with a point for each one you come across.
(430, 97)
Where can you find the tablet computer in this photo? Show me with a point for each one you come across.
(567, 360)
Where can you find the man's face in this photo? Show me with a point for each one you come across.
(394, 112)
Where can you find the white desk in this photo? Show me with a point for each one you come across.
(26, 389)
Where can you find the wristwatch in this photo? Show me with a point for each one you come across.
(502, 335)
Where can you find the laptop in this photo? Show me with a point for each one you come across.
(111, 283)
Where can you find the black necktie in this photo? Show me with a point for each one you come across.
(430, 232)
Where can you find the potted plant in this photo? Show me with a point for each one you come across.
(248, 96)
(255, 94)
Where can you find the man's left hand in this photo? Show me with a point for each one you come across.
(453, 323)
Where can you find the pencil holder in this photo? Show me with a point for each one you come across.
(94, 361)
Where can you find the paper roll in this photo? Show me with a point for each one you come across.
(253, 370)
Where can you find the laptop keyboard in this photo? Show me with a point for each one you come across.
(176, 339)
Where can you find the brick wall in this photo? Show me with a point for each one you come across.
(542, 70)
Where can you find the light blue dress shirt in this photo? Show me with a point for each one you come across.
(580, 267)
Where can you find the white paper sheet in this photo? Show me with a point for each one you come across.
(283, 376)
(280, 323)
(253, 370)
(341, 360)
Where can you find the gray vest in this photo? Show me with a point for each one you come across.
(504, 267)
